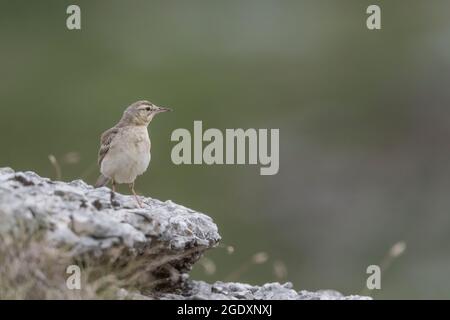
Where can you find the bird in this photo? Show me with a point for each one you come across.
(125, 148)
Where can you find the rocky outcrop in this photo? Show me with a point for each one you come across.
(199, 290)
(150, 249)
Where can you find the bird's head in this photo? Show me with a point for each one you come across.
(141, 113)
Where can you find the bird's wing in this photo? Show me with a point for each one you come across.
(105, 143)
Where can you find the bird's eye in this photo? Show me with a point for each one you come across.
(148, 108)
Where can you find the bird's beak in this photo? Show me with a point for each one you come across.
(162, 109)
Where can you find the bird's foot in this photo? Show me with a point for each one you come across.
(135, 195)
(138, 201)
(112, 199)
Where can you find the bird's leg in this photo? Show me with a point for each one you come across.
(113, 191)
(135, 195)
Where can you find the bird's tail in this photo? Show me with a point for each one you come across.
(101, 181)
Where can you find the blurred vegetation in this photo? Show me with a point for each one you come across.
(363, 117)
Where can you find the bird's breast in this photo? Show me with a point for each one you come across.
(129, 154)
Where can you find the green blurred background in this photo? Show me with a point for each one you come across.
(364, 119)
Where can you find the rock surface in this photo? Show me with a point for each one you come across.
(170, 237)
(164, 237)
(199, 290)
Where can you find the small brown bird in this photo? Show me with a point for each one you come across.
(125, 148)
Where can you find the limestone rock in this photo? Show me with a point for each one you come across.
(79, 223)
(199, 290)
(74, 215)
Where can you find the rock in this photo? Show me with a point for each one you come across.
(169, 238)
(199, 290)
(147, 251)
